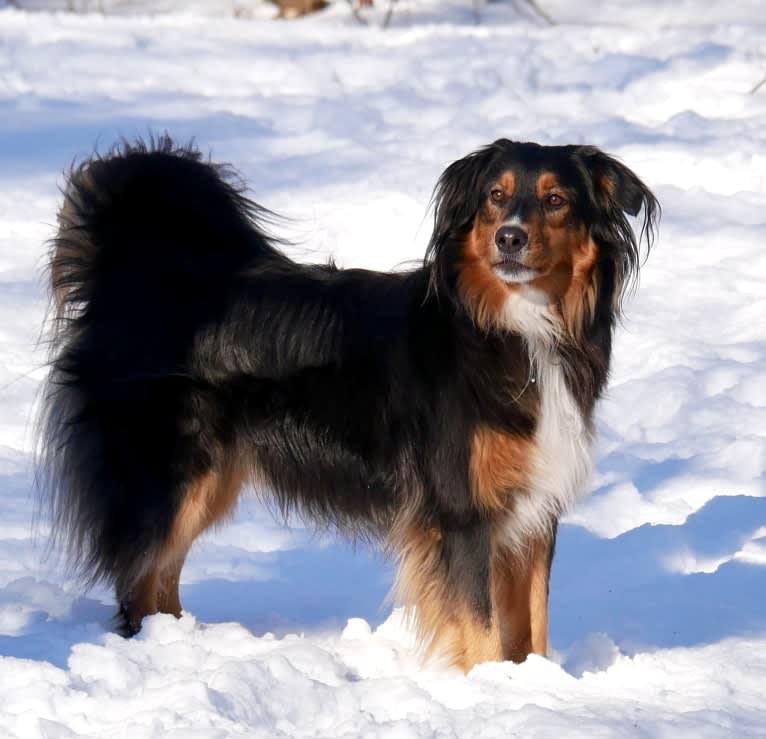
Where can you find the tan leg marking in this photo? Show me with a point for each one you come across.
(207, 500)
(143, 599)
(521, 601)
(538, 601)
(467, 641)
(445, 626)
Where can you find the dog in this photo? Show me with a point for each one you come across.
(445, 411)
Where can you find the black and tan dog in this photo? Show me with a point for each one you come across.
(445, 411)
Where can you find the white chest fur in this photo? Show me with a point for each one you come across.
(561, 462)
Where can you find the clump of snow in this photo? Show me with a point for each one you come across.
(658, 621)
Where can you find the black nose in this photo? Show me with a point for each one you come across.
(511, 238)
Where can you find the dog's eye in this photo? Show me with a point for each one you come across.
(555, 201)
(496, 195)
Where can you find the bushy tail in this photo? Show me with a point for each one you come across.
(148, 237)
(156, 203)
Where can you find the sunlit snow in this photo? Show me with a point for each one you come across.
(658, 614)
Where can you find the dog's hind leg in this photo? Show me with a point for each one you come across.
(204, 501)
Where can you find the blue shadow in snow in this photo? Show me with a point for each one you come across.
(644, 474)
(314, 588)
(625, 587)
(51, 639)
(49, 134)
(57, 132)
(621, 587)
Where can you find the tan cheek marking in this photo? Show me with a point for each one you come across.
(499, 464)
(579, 302)
(562, 245)
(483, 293)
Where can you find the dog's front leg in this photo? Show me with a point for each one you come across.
(520, 596)
(445, 575)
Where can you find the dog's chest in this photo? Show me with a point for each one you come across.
(561, 456)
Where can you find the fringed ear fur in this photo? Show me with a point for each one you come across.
(616, 190)
(455, 201)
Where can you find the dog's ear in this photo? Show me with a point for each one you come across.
(614, 185)
(458, 195)
(614, 191)
(456, 200)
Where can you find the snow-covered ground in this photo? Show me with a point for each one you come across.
(658, 614)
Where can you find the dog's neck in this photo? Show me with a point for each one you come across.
(581, 366)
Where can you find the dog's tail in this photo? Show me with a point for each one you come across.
(154, 203)
(148, 237)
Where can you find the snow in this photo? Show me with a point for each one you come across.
(658, 619)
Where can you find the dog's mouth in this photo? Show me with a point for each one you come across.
(512, 270)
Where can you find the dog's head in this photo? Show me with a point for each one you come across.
(519, 222)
